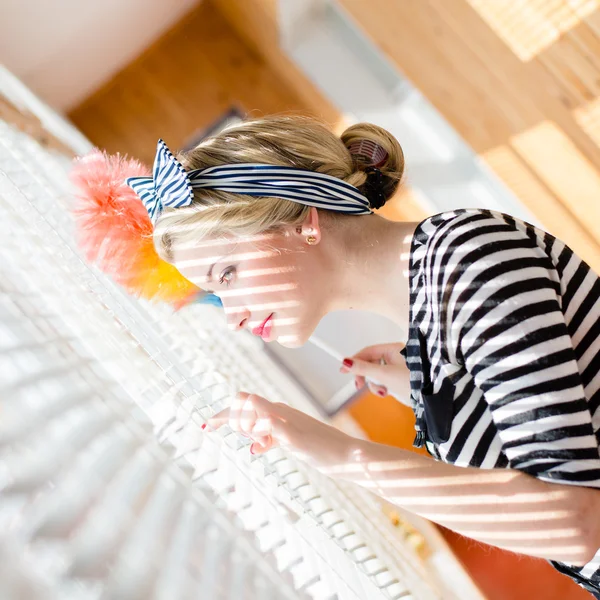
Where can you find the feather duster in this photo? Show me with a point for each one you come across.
(114, 231)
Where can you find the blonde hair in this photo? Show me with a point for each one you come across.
(293, 141)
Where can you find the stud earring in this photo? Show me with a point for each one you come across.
(311, 240)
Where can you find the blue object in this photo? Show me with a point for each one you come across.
(210, 299)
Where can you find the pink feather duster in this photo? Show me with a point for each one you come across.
(114, 230)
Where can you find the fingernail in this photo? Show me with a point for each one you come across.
(251, 448)
(348, 363)
(381, 392)
(203, 426)
(356, 385)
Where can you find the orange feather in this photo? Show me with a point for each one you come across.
(114, 230)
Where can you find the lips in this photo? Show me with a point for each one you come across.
(264, 328)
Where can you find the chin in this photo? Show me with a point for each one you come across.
(288, 341)
(295, 338)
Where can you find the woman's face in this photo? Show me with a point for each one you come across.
(274, 285)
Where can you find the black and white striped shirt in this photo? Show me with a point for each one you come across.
(505, 319)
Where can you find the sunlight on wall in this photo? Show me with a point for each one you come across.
(588, 117)
(564, 169)
(529, 185)
(529, 26)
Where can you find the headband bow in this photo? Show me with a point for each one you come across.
(172, 186)
(168, 186)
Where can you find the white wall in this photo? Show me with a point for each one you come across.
(65, 49)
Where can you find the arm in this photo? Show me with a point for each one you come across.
(501, 507)
(499, 310)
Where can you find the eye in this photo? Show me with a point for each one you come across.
(227, 276)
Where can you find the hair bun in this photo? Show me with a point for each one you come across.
(371, 146)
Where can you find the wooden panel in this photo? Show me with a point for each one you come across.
(588, 118)
(572, 62)
(30, 124)
(564, 170)
(184, 82)
(522, 91)
(419, 37)
(529, 27)
(511, 168)
(255, 21)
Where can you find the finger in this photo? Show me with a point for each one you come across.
(241, 408)
(262, 446)
(263, 441)
(378, 351)
(378, 390)
(262, 433)
(221, 418)
(363, 367)
(370, 353)
(247, 416)
(271, 410)
(360, 382)
(277, 414)
(262, 427)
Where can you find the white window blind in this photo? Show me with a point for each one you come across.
(108, 486)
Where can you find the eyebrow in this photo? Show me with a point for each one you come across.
(210, 270)
(209, 275)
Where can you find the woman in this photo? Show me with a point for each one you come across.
(502, 359)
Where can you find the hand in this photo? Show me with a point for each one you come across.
(384, 366)
(272, 424)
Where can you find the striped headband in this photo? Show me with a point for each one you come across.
(172, 186)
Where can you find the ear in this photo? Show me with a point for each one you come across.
(310, 226)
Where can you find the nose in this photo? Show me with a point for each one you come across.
(237, 319)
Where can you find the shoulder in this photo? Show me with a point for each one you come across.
(476, 239)
(470, 227)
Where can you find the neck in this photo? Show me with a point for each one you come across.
(375, 263)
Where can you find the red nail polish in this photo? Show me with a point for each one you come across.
(348, 363)
(203, 426)
(381, 393)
